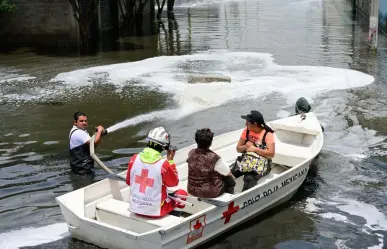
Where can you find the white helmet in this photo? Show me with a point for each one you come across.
(159, 136)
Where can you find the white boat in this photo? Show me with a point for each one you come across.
(99, 213)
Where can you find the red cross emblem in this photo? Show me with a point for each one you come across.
(144, 181)
(196, 228)
(230, 211)
(197, 225)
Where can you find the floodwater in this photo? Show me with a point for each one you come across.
(275, 51)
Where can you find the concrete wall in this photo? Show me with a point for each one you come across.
(50, 23)
(41, 22)
(364, 7)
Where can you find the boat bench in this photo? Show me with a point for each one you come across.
(122, 209)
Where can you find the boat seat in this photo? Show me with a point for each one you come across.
(293, 150)
(182, 185)
(122, 208)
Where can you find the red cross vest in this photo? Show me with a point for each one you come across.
(145, 187)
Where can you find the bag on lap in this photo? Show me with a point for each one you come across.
(252, 162)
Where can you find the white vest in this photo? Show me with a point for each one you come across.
(145, 187)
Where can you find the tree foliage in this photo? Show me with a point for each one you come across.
(6, 6)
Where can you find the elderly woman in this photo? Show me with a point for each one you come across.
(208, 175)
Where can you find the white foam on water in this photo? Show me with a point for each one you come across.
(24, 135)
(33, 236)
(380, 245)
(311, 205)
(51, 142)
(20, 78)
(353, 141)
(18, 155)
(6, 161)
(198, 3)
(336, 217)
(365, 179)
(26, 142)
(374, 219)
(254, 75)
(340, 244)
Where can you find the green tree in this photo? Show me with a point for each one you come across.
(6, 6)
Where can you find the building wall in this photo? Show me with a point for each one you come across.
(43, 22)
(362, 5)
(50, 23)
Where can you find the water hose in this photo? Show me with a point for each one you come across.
(97, 160)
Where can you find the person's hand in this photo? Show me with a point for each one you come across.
(100, 128)
(249, 143)
(251, 149)
(171, 154)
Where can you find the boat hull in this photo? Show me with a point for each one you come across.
(98, 213)
(217, 221)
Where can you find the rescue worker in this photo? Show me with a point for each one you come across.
(208, 175)
(149, 175)
(81, 162)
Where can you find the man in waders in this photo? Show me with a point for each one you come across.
(80, 160)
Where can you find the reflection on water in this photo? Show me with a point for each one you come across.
(348, 174)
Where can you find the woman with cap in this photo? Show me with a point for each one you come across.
(257, 138)
(256, 129)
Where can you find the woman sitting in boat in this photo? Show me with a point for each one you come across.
(258, 148)
(208, 175)
(149, 175)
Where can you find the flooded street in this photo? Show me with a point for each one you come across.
(274, 51)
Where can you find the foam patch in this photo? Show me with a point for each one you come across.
(33, 236)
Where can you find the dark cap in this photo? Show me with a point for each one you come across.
(254, 117)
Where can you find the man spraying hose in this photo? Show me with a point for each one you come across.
(81, 162)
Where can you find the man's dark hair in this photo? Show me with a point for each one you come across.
(155, 146)
(78, 114)
(203, 138)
